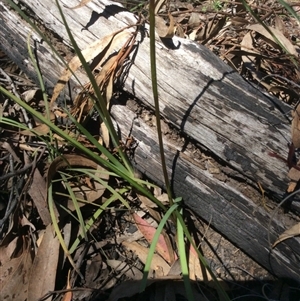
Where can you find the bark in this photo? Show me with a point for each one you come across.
(202, 98)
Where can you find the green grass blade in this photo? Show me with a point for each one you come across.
(57, 230)
(153, 244)
(257, 18)
(183, 260)
(155, 97)
(104, 114)
(76, 206)
(202, 259)
(95, 216)
(290, 10)
(100, 147)
(92, 175)
(40, 78)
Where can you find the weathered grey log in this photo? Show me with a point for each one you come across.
(204, 99)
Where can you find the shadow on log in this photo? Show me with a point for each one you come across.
(204, 100)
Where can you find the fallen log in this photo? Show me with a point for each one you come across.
(201, 97)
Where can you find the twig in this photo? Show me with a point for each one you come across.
(14, 90)
(16, 186)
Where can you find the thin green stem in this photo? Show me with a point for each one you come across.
(156, 101)
(119, 169)
(104, 114)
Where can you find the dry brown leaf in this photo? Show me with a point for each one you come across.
(44, 266)
(109, 89)
(7, 251)
(278, 34)
(105, 79)
(102, 46)
(105, 75)
(124, 268)
(196, 271)
(25, 222)
(105, 134)
(211, 29)
(162, 29)
(296, 127)
(194, 20)
(14, 275)
(29, 94)
(292, 232)
(146, 202)
(40, 130)
(247, 45)
(157, 264)
(279, 24)
(37, 192)
(193, 34)
(291, 187)
(162, 247)
(294, 174)
(68, 295)
(180, 31)
(238, 21)
(158, 5)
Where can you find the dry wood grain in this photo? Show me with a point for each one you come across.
(199, 94)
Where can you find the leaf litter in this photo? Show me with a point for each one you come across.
(186, 20)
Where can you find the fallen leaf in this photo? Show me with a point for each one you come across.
(158, 5)
(14, 275)
(278, 34)
(105, 134)
(194, 20)
(196, 271)
(211, 29)
(148, 231)
(37, 192)
(279, 24)
(124, 268)
(102, 46)
(162, 29)
(40, 130)
(29, 95)
(159, 265)
(146, 202)
(7, 251)
(247, 46)
(44, 266)
(68, 295)
(292, 232)
(291, 187)
(294, 174)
